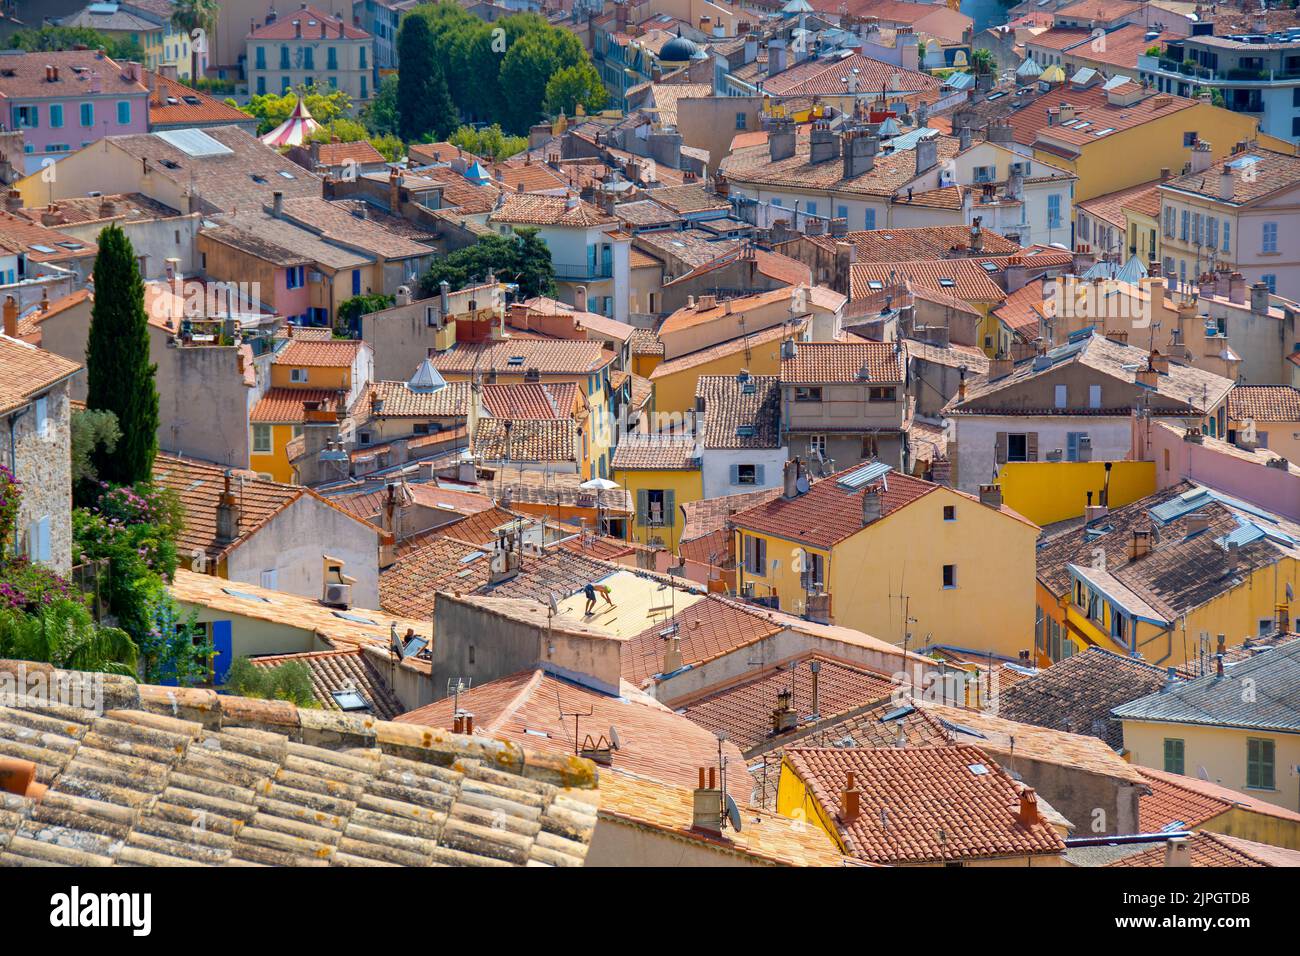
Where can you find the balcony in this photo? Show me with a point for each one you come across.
(587, 272)
(1188, 71)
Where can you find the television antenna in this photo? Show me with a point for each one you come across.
(455, 687)
(577, 716)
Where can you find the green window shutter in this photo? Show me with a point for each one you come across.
(642, 505)
(1173, 755)
(670, 508)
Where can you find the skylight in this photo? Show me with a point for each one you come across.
(349, 700)
(978, 769)
(194, 142)
(244, 595)
(354, 618)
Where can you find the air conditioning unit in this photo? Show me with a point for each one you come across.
(339, 594)
(1056, 454)
(747, 589)
(432, 317)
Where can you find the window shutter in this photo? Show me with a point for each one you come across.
(762, 556)
(1002, 447)
(758, 474)
(735, 474)
(1072, 446)
(642, 505)
(670, 508)
(1031, 444)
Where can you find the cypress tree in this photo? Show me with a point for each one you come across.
(424, 104)
(119, 376)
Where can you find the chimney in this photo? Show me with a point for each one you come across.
(297, 29)
(1236, 288)
(395, 192)
(775, 57)
(823, 143)
(1015, 274)
(707, 804)
(859, 154)
(1000, 366)
(1259, 298)
(790, 479)
(1201, 157)
(1234, 558)
(1160, 362)
(1147, 376)
(1178, 852)
(991, 495)
(927, 154)
(780, 141)
(850, 804)
(976, 236)
(673, 656)
(277, 204)
(871, 506)
(1140, 545)
(784, 717)
(227, 514)
(14, 201)
(11, 317)
(1028, 814)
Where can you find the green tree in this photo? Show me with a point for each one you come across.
(170, 652)
(347, 130)
(490, 142)
(981, 62)
(389, 146)
(119, 375)
(573, 85)
(522, 258)
(48, 39)
(64, 634)
(191, 15)
(348, 316)
(94, 431)
(424, 104)
(380, 114)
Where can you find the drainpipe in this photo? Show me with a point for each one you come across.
(13, 451)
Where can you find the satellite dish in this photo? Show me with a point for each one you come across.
(613, 738)
(553, 604)
(733, 813)
(801, 485)
(1202, 773)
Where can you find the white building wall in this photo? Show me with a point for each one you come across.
(716, 464)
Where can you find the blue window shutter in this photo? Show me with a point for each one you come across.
(1072, 440)
(758, 474)
(223, 644)
(735, 474)
(356, 281)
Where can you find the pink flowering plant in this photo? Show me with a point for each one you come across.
(10, 496)
(24, 586)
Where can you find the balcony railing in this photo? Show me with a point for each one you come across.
(1192, 71)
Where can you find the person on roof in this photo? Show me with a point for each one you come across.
(590, 590)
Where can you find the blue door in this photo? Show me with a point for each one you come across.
(223, 646)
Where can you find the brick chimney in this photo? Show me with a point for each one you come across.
(850, 804)
(11, 317)
(227, 514)
(1140, 545)
(1028, 812)
(707, 803)
(871, 506)
(784, 716)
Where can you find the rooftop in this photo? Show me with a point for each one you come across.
(342, 671)
(531, 209)
(1218, 850)
(831, 363)
(517, 356)
(28, 372)
(739, 413)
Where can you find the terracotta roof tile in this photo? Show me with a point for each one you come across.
(1184, 803)
(314, 25)
(828, 363)
(342, 670)
(28, 370)
(1217, 850)
(917, 242)
(526, 707)
(660, 452)
(451, 400)
(526, 439)
(531, 400)
(710, 514)
(740, 414)
(924, 805)
(530, 209)
(765, 338)
(1110, 206)
(288, 405)
(361, 152)
(1264, 403)
(335, 353)
(408, 586)
(817, 77)
(515, 357)
(707, 629)
(172, 103)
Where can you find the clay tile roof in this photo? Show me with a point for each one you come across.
(743, 710)
(691, 198)
(28, 371)
(1077, 693)
(336, 353)
(707, 629)
(1265, 403)
(313, 23)
(535, 210)
(1144, 197)
(643, 212)
(826, 363)
(828, 513)
(1177, 802)
(482, 526)
(924, 805)
(964, 279)
(172, 103)
(916, 242)
(21, 234)
(525, 708)
(817, 77)
(348, 668)
(168, 776)
(531, 400)
(665, 809)
(740, 414)
(360, 152)
(526, 439)
(710, 514)
(1215, 849)
(408, 586)
(199, 486)
(517, 356)
(75, 70)
(767, 337)
(283, 406)
(337, 223)
(451, 400)
(656, 453)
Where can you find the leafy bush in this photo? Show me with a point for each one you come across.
(63, 633)
(27, 587)
(11, 494)
(168, 651)
(290, 681)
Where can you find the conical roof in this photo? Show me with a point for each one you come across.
(426, 378)
(295, 130)
(1029, 68)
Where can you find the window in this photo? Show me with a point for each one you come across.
(261, 86)
(1269, 280)
(268, 579)
(1169, 222)
(656, 508)
(41, 408)
(261, 439)
(1094, 396)
(812, 208)
(807, 393)
(1185, 225)
(755, 556)
(56, 115)
(1259, 764)
(1189, 140)
(869, 219)
(1269, 238)
(817, 445)
(308, 58)
(284, 57)
(1054, 211)
(1173, 755)
(364, 438)
(356, 281)
(261, 58)
(1073, 442)
(1061, 396)
(814, 576)
(294, 277)
(27, 117)
(949, 512)
(1227, 235)
(881, 393)
(1018, 447)
(364, 91)
(362, 51)
(986, 174)
(124, 113)
(842, 212)
(741, 120)
(297, 375)
(949, 576)
(87, 115)
(747, 474)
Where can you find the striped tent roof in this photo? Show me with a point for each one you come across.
(295, 130)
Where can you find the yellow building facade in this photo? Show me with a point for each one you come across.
(1050, 491)
(658, 495)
